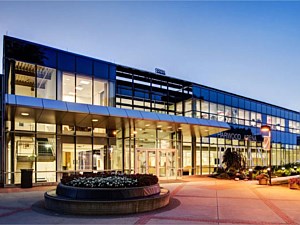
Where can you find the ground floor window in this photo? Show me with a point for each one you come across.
(57, 151)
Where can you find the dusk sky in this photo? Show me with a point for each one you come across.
(247, 48)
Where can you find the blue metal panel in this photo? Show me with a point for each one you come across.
(165, 117)
(133, 114)
(98, 110)
(55, 105)
(179, 119)
(76, 107)
(10, 99)
(29, 101)
(149, 116)
(213, 123)
(191, 120)
(117, 112)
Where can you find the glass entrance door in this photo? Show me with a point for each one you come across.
(152, 162)
(161, 162)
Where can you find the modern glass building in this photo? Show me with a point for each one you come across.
(63, 113)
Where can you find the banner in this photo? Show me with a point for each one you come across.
(267, 144)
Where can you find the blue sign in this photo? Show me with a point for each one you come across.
(160, 71)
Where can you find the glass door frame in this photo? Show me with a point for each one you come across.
(157, 161)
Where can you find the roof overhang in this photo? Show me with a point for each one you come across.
(68, 113)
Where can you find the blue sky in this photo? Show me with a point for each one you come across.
(248, 48)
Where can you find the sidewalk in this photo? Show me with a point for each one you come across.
(194, 201)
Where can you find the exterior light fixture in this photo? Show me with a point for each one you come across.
(134, 132)
(179, 128)
(159, 126)
(79, 88)
(147, 125)
(250, 174)
(84, 82)
(25, 114)
(94, 120)
(265, 128)
(114, 132)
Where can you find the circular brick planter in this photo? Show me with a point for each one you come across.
(106, 201)
(106, 193)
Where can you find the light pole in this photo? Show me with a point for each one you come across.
(267, 145)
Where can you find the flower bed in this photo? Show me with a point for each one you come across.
(109, 180)
(294, 183)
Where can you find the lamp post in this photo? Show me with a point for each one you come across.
(268, 146)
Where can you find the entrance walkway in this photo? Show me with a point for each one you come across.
(194, 201)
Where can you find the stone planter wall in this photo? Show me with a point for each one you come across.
(106, 193)
(294, 186)
(106, 201)
(263, 181)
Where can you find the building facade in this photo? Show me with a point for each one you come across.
(63, 112)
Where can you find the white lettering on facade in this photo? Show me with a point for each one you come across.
(236, 136)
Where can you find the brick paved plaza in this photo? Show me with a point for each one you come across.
(194, 201)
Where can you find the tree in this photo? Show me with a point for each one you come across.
(233, 160)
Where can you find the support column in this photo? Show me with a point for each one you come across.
(2, 149)
(179, 152)
(123, 150)
(193, 139)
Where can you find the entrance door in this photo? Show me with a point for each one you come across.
(161, 162)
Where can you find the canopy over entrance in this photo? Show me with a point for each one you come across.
(60, 112)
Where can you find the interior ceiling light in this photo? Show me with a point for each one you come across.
(135, 132)
(84, 82)
(25, 114)
(79, 88)
(94, 120)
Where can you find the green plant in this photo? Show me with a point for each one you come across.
(234, 161)
(262, 176)
(294, 181)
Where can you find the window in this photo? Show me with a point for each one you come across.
(68, 88)
(46, 82)
(83, 89)
(220, 112)
(100, 92)
(25, 79)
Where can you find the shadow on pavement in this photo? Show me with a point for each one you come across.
(39, 207)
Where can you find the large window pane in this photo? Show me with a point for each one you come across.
(46, 82)
(100, 92)
(83, 90)
(25, 79)
(84, 153)
(46, 158)
(68, 87)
